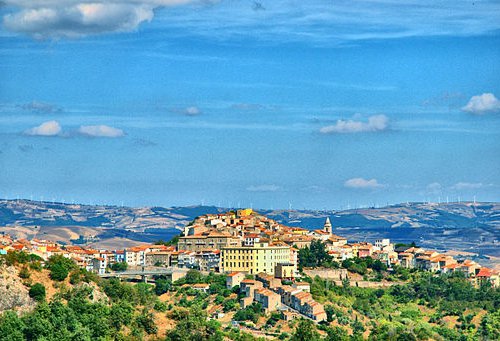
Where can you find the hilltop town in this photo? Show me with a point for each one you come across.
(256, 253)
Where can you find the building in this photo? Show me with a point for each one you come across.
(99, 265)
(158, 258)
(261, 257)
(210, 240)
(285, 270)
(327, 227)
(247, 286)
(234, 278)
(270, 300)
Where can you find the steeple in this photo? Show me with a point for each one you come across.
(328, 226)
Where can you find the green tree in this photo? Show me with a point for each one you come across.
(37, 292)
(146, 322)
(11, 327)
(193, 277)
(121, 314)
(162, 285)
(120, 266)
(60, 267)
(305, 331)
(194, 326)
(336, 334)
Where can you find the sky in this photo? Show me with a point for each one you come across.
(265, 104)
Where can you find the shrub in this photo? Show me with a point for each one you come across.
(37, 292)
(24, 272)
(120, 266)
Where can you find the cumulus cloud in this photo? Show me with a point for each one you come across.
(361, 183)
(466, 186)
(100, 131)
(78, 18)
(482, 104)
(49, 128)
(263, 188)
(375, 123)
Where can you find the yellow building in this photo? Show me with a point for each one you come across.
(261, 257)
(244, 213)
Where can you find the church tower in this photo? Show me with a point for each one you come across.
(328, 226)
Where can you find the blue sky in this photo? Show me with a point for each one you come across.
(322, 104)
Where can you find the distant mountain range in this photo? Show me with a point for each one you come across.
(458, 226)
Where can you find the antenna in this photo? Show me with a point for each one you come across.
(289, 205)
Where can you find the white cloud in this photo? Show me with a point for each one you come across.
(191, 111)
(263, 188)
(316, 21)
(482, 104)
(74, 19)
(100, 131)
(375, 123)
(49, 128)
(360, 183)
(247, 106)
(41, 107)
(466, 186)
(434, 188)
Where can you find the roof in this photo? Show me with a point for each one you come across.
(234, 274)
(485, 272)
(302, 283)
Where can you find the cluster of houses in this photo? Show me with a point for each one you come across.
(244, 241)
(267, 290)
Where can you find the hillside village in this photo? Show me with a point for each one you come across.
(257, 254)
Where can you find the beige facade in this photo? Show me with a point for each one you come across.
(208, 242)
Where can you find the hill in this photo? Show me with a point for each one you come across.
(455, 226)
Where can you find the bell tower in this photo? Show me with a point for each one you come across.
(328, 226)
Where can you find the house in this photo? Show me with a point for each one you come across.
(269, 281)
(285, 270)
(251, 239)
(334, 242)
(488, 275)
(304, 286)
(99, 265)
(158, 258)
(234, 279)
(247, 286)
(407, 260)
(270, 300)
(203, 287)
(319, 234)
(286, 293)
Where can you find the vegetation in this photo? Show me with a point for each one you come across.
(315, 255)
(37, 292)
(60, 267)
(427, 306)
(120, 266)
